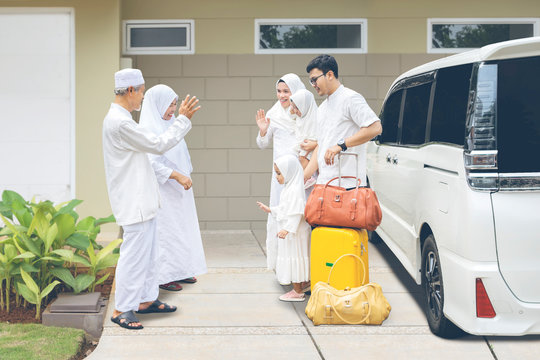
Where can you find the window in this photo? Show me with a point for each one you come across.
(450, 105)
(415, 114)
(310, 36)
(456, 35)
(518, 115)
(390, 117)
(158, 37)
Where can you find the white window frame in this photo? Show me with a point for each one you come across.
(473, 21)
(189, 25)
(361, 22)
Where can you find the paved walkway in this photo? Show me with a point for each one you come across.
(233, 312)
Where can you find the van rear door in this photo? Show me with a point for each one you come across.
(516, 206)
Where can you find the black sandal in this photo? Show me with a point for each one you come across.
(190, 280)
(155, 308)
(129, 318)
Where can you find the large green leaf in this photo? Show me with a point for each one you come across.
(25, 255)
(83, 281)
(102, 279)
(29, 268)
(40, 224)
(49, 288)
(32, 244)
(64, 275)
(66, 227)
(108, 219)
(9, 196)
(71, 257)
(22, 213)
(10, 251)
(26, 293)
(87, 223)
(6, 210)
(108, 249)
(78, 241)
(68, 209)
(30, 283)
(49, 239)
(107, 261)
(91, 254)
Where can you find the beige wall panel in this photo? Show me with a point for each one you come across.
(263, 88)
(397, 35)
(409, 61)
(211, 209)
(243, 112)
(351, 64)
(212, 112)
(227, 185)
(205, 65)
(150, 81)
(376, 105)
(246, 161)
(384, 85)
(195, 139)
(293, 63)
(224, 36)
(159, 65)
(365, 85)
(258, 225)
(250, 65)
(228, 137)
(260, 184)
(253, 136)
(383, 64)
(183, 86)
(227, 88)
(245, 209)
(209, 161)
(199, 184)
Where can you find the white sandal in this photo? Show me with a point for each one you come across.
(292, 296)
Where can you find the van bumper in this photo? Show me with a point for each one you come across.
(513, 317)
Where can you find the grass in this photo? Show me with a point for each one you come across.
(36, 341)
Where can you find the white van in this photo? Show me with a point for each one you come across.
(457, 174)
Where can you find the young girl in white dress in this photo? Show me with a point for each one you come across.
(292, 258)
(181, 254)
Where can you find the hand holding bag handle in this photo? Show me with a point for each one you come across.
(363, 280)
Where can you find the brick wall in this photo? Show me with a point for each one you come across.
(230, 172)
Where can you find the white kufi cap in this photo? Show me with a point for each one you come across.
(128, 77)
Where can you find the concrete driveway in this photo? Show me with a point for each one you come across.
(233, 312)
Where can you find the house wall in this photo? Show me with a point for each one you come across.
(97, 50)
(230, 172)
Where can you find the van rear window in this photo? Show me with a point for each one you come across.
(518, 115)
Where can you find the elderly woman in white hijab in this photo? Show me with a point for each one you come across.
(303, 105)
(292, 261)
(278, 125)
(181, 254)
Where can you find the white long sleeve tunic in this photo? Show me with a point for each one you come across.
(131, 182)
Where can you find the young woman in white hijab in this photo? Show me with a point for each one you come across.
(292, 262)
(278, 125)
(181, 254)
(303, 105)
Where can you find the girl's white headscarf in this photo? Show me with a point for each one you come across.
(156, 102)
(292, 200)
(306, 125)
(279, 117)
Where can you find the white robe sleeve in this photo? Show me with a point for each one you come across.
(359, 111)
(162, 171)
(136, 139)
(264, 141)
(292, 222)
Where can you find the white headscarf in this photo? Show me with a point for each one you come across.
(306, 125)
(156, 102)
(292, 200)
(279, 117)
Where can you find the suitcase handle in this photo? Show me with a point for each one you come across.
(341, 257)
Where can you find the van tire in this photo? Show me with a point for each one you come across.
(373, 237)
(432, 284)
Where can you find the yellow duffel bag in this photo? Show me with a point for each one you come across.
(361, 305)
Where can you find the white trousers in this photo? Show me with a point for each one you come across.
(136, 275)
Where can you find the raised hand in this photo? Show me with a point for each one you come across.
(188, 106)
(263, 207)
(262, 122)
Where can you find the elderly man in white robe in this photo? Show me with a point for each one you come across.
(345, 121)
(134, 195)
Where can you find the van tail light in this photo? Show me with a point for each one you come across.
(480, 155)
(484, 309)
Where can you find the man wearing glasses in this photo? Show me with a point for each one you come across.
(345, 121)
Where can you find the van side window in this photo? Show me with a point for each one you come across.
(518, 115)
(450, 105)
(415, 115)
(390, 117)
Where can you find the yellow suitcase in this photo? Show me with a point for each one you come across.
(328, 245)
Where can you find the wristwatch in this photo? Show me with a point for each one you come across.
(341, 144)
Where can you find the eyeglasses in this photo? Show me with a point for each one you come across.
(313, 81)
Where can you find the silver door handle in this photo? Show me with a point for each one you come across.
(395, 160)
(388, 159)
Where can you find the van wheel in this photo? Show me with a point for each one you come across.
(373, 237)
(432, 283)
